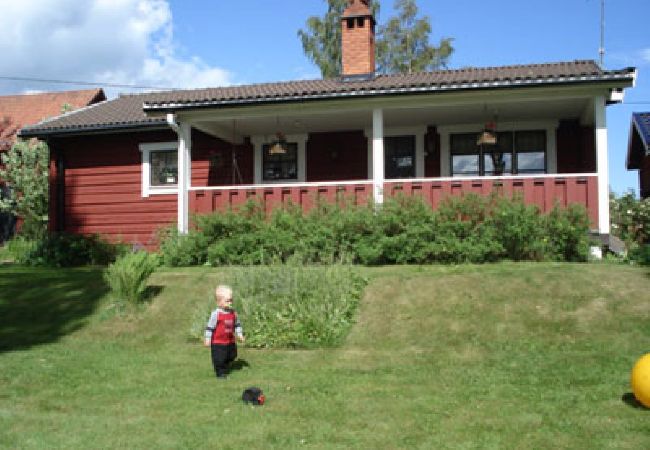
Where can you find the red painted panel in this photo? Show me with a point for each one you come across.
(432, 149)
(576, 149)
(337, 156)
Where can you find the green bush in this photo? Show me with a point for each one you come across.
(567, 234)
(291, 305)
(63, 250)
(127, 276)
(404, 230)
(630, 219)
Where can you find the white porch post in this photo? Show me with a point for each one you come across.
(602, 164)
(378, 156)
(184, 175)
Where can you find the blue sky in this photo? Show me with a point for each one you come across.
(191, 43)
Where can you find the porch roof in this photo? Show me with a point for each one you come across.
(130, 111)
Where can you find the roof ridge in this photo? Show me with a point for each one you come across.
(34, 94)
(68, 114)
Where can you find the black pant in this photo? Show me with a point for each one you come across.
(222, 356)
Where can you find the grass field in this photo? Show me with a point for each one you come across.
(495, 356)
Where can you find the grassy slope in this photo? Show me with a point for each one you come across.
(495, 356)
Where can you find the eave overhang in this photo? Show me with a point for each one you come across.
(620, 79)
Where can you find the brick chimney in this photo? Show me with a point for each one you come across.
(358, 40)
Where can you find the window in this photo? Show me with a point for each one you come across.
(399, 157)
(159, 168)
(530, 150)
(164, 168)
(465, 154)
(280, 166)
(518, 152)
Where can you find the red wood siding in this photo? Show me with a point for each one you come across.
(212, 161)
(576, 149)
(103, 183)
(337, 156)
(103, 188)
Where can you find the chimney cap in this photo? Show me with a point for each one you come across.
(357, 8)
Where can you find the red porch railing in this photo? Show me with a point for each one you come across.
(541, 190)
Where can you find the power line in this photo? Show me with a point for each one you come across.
(85, 83)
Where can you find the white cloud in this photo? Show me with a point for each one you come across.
(110, 41)
(645, 55)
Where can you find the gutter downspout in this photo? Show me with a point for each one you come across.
(184, 132)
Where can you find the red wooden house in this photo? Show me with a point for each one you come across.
(125, 167)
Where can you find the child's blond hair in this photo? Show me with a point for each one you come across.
(223, 292)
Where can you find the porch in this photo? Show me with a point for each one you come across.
(553, 148)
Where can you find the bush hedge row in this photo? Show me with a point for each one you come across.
(404, 230)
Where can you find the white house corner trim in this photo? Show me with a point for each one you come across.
(184, 176)
(602, 164)
(378, 156)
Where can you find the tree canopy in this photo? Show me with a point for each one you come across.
(402, 44)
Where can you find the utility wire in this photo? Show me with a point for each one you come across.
(85, 83)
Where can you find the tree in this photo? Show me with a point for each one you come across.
(6, 130)
(402, 45)
(321, 41)
(25, 172)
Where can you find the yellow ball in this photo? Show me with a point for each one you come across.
(641, 380)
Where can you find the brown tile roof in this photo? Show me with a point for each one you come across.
(130, 110)
(17, 111)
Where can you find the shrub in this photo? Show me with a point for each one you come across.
(405, 230)
(567, 234)
(630, 219)
(290, 305)
(63, 250)
(518, 228)
(127, 276)
(640, 255)
(25, 168)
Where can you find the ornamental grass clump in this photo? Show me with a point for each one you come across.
(127, 276)
(291, 305)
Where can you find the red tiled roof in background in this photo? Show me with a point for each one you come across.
(17, 111)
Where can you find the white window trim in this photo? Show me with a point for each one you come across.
(146, 149)
(550, 126)
(259, 141)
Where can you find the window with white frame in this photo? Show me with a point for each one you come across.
(515, 152)
(159, 168)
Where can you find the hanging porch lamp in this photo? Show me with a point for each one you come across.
(489, 135)
(279, 145)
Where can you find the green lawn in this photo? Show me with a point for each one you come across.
(498, 356)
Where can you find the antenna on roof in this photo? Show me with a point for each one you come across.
(601, 50)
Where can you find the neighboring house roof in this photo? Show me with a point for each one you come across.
(131, 110)
(638, 146)
(17, 111)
